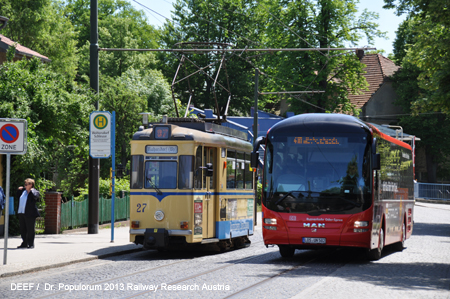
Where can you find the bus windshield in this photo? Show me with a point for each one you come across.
(317, 174)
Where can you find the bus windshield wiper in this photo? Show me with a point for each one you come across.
(286, 195)
(154, 186)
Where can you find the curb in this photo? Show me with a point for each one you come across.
(102, 256)
(445, 202)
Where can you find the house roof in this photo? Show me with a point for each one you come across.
(378, 69)
(5, 43)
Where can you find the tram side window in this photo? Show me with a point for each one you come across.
(240, 167)
(186, 172)
(231, 169)
(198, 173)
(137, 172)
(248, 173)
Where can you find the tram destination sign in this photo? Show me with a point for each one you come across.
(13, 136)
(100, 134)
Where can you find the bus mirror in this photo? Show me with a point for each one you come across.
(376, 165)
(209, 169)
(254, 159)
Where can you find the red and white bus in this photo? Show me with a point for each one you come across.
(332, 180)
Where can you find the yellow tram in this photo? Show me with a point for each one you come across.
(191, 183)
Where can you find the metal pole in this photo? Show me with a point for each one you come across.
(94, 164)
(255, 136)
(113, 152)
(8, 170)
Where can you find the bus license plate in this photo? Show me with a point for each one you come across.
(314, 240)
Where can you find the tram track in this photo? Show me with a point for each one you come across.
(148, 270)
(250, 287)
(253, 286)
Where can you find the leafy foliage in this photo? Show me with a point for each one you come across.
(41, 26)
(423, 50)
(57, 113)
(270, 24)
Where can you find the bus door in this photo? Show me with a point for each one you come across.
(209, 183)
(377, 209)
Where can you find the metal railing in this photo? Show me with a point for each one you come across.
(432, 191)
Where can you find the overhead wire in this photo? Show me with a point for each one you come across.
(257, 43)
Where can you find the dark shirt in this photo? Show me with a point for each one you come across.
(31, 209)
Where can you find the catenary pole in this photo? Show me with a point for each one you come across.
(94, 164)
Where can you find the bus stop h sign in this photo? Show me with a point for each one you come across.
(13, 136)
(100, 134)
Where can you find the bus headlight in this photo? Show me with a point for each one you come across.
(361, 223)
(270, 227)
(159, 215)
(272, 221)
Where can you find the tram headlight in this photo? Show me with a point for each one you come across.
(159, 215)
(272, 221)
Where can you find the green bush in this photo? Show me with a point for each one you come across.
(104, 188)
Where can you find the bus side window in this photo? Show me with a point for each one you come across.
(186, 172)
(137, 172)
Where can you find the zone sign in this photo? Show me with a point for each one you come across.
(13, 136)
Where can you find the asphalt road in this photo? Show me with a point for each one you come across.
(422, 270)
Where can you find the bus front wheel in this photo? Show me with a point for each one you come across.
(286, 251)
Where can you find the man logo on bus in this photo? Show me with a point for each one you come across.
(319, 225)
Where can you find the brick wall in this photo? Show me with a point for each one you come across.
(52, 212)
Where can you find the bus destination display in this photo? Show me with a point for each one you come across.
(306, 140)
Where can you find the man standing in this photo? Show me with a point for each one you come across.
(27, 212)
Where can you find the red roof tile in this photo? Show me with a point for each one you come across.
(21, 49)
(378, 69)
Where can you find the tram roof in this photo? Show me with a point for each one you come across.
(197, 125)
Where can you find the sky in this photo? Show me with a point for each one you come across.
(388, 21)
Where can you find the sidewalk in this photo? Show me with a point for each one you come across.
(58, 250)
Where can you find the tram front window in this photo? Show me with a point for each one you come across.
(317, 175)
(161, 174)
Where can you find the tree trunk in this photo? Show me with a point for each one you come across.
(431, 167)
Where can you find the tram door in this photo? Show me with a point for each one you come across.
(209, 183)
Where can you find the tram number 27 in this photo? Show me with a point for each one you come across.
(141, 207)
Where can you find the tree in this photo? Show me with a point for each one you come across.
(422, 49)
(57, 112)
(120, 25)
(130, 94)
(323, 24)
(430, 50)
(41, 26)
(274, 24)
(224, 24)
